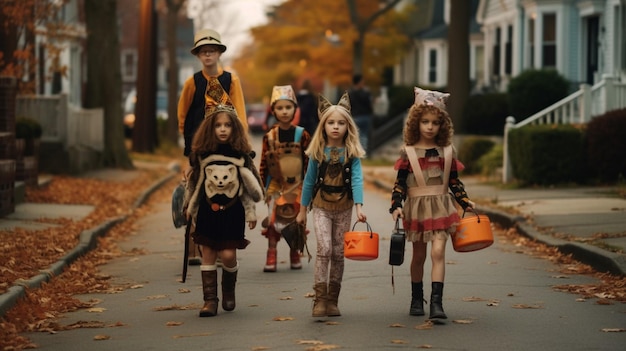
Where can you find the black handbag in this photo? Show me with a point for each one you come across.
(396, 245)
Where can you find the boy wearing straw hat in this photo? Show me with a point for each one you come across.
(202, 92)
(208, 87)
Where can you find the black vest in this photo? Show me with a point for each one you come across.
(195, 114)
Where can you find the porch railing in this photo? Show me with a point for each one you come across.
(578, 108)
(61, 122)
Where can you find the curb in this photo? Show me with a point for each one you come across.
(600, 260)
(87, 242)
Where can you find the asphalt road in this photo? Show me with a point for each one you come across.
(495, 299)
(157, 312)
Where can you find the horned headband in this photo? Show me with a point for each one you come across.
(324, 104)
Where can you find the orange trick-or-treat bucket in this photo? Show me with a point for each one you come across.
(360, 246)
(472, 233)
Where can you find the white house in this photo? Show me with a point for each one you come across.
(426, 63)
(583, 40)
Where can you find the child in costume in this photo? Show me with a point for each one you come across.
(205, 90)
(222, 190)
(427, 168)
(283, 164)
(332, 185)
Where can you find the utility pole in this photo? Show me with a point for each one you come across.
(145, 128)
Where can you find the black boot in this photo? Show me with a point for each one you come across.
(229, 280)
(417, 299)
(436, 297)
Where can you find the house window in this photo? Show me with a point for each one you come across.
(496, 53)
(549, 41)
(432, 66)
(479, 65)
(531, 43)
(508, 51)
(129, 66)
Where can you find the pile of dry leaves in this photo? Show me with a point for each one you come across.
(24, 253)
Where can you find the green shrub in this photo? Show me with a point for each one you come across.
(605, 142)
(485, 114)
(27, 128)
(546, 154)
(490, 162)
(534, 90)
(471, 150)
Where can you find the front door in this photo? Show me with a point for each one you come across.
(593, 47)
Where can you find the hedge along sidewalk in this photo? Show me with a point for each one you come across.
(87, 242)
(573, 213)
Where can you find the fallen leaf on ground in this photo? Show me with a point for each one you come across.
(463, 321)
(102, 337)
(96, 309)
(424, 326)
(173, 324)
(525, 306)
(613, 330)
(398, 341)
(396, 325)
(282, 319)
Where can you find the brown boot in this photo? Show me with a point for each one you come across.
(333, 296)
(270, 262)
(229, 279)
(294, 257)
(319, 304)
(209, 289)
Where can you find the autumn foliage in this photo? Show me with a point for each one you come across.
(313, 39)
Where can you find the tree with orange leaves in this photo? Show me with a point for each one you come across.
(316, 38)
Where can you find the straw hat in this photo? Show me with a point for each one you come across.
(207, 37)
(283, 92)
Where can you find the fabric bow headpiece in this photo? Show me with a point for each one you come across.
(431, 98)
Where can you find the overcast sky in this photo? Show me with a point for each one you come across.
(232, 19)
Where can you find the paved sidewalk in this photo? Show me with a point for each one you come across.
(564, 218)
(26, 214)
(577, 213)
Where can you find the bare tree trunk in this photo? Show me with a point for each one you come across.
(362, 25)
(458, 59)
(104, 79)
(173, 8)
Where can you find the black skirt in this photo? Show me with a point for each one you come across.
(221, 229)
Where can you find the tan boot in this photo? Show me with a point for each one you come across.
(229, 279)
(333, 297)
(319, 304)
(209, 289)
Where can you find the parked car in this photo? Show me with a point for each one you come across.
(129, 109)
(256, 113)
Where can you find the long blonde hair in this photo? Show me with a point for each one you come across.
(319, 139)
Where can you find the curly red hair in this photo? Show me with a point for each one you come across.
(411, 133)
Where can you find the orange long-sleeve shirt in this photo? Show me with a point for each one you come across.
(235, 94)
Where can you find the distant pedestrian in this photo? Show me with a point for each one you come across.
(283, 164)
(307, 104)
(333, 184)
(203, 91)
(362, 108)
(427, 168)
(223, 187)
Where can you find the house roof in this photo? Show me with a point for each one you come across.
(438, 28)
